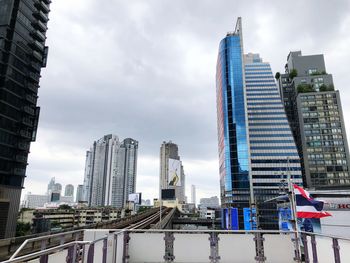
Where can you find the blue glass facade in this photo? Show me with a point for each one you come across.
(232, 123)
(256, 146)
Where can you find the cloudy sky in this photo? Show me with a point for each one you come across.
(146, 69)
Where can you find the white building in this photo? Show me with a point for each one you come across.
(193, 194)
(34, 201)
(69, 190)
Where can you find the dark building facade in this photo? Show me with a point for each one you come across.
(23, 25)
(315, 115)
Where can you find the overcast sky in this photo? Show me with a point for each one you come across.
(146, 70)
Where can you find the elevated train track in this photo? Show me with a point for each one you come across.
(33, 243)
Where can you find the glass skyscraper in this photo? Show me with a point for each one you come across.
(23, 26)
(256, 146)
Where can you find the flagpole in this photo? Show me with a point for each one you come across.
(291, 195)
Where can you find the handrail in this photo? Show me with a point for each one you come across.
(41, 238)
(45, 251)
(324, 235)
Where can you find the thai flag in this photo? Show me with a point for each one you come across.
(306, 206)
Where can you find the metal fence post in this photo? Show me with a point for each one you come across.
(306, 249)
(104, 251)
(91, 251)
(43, 258)
(126, 247)
(314, 249)
(169, 246)
(336, 249)
(259, 247)
(214, 248)
(69, 258)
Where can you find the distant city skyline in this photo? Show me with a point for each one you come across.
(160, 78)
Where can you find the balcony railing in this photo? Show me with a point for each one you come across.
(38, 35)
(43, 6)
(32, 87)
(41, 15)
(40, 25)
(198, 246)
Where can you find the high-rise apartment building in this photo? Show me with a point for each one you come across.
(172, 174)
(315, 115)
(80, 193)
(110, 171)
(193, 194)
(23, 53)
(256, 146)
(69, 190)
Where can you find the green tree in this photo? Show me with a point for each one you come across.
(293, 73)
(277, 76)
(65, 207)
(22, 229)
(304, 88)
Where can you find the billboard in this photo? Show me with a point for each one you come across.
(135, 198)
(229, 219)
(168, 194)
(174, 172)
(249, 216)
(304, 224)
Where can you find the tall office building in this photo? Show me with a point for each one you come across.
(256, 146)
(23, 53)
(193, 194)
(172, 174)
(315, 115)
(110, 171)
(69, 190)
(51, 184)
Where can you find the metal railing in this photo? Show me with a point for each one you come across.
(117, 246)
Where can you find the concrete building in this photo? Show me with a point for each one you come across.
(315, 115)
(172, 175)
(69, 190)
(23, 25)
(193, 194)
(80, 194)
(256, 146)
(35, 201)
(49, 219)
(110, 171)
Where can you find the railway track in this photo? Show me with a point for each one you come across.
(138, 221)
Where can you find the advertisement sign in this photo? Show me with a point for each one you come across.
(174, 172)
(234, 219)
(168, 194)
(135, 198)
(249, 216)
(224, 218)
(304, 224)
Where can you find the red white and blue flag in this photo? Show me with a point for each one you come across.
(306, 206)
